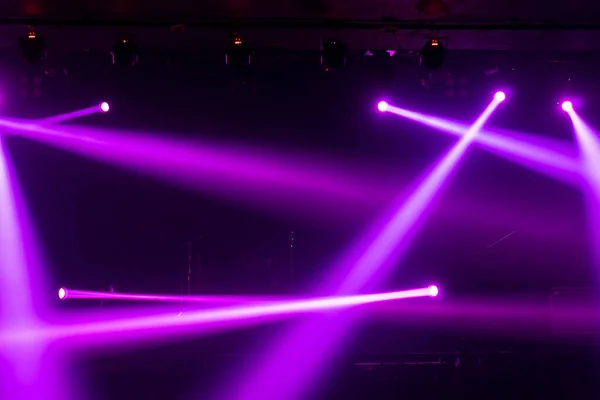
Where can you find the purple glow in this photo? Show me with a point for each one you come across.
(72, 115)
(548, 157)
(506, 314)
(291, 365)
(567, 106)
(392, 236)
(104, 107)
(589, 146)
(177, 324)
(64, 294)
(433, 290)
(500, 96)
(242, 174)
(382, 106)
(25, 371)
(21, 266)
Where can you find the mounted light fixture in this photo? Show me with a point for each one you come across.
(32, 46)
(333, 55)
(433, 54)
(125, 52)
(238, 53)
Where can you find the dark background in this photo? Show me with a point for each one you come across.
(100, 225)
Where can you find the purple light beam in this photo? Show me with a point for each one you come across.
(548, 157)
(25, 371)
(504, 315)
(589, 147)
(298, 357)
(64, 294)
(101, 108)
(240, 173)
(118, 330)
(386, 238)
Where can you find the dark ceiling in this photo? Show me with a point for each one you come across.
(186, 10)
(390, 24)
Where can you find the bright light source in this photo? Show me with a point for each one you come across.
(382, 106)
(62, 293)
(567, 106)
(500, 96)
(104, 107)
(433, 290)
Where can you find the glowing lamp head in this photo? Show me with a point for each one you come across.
(433, 291)
(567, 106)
(500, 96)
(62, 293)
(382, 106)
(104, 107)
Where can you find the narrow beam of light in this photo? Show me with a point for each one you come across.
(589, 146)
(26, 372)
(101, 108)
(549, 158)
(64, 294)
(297, 359)
(264, 180)
(191, 322)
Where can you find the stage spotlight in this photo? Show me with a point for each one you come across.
(433, 54)
(104, 107)
(62, 293)
(33, 47)
(433, 291)
(238, 53)
(125, 52)
(333, 55)
(500, 96)
(567, 106)
(382, 106)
